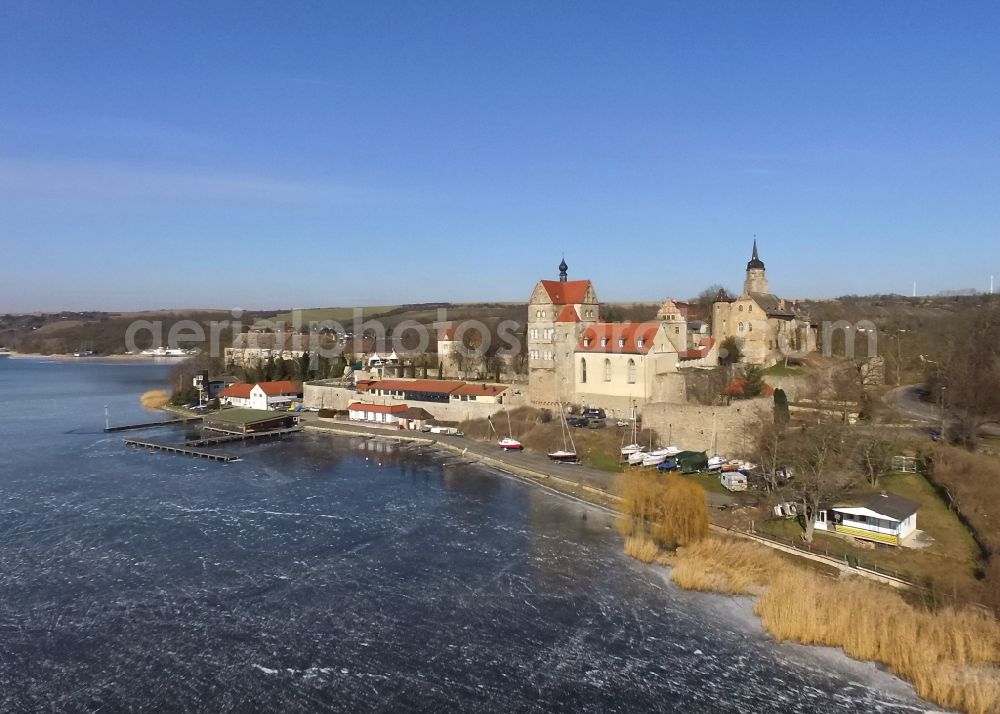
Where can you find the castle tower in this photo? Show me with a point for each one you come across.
(756, 280)
(557, 311)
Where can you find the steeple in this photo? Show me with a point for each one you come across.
(755, 261)
(562, 270)
(756, 281)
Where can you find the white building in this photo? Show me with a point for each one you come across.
(263, 395)
(884, 518)
(389, 414)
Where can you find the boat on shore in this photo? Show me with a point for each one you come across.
(510, 444)
(4, 352)
(565, 455)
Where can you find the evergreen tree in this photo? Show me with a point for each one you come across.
(781, 412)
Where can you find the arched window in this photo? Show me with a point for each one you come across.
(741, 327)
(607, 370)
(631, 371)
(741, 308)
(583, 370)
(749, 327)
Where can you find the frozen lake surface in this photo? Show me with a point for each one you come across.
(327, 574)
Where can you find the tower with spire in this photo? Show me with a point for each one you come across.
(563, 270)
(756, 280)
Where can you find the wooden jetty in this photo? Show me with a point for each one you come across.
(181, 449)
(152, 424)
(225, 437)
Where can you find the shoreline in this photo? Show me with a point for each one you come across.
(100, 359)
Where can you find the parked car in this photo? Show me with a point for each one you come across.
(577, 421)
(595, 414)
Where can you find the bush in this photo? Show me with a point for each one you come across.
(669, 510)
(327, 413)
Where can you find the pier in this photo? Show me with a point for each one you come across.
(227, 437)
(151, 424)
(183, 449)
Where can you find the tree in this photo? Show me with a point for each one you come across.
(770, 453)
(707, 297)
(873, 453)
(822, 468)
(781, 412)
(729, 351)
(753, 381)
(966, 379)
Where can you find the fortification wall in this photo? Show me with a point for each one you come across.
(726, 430)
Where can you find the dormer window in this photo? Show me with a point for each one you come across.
(641, 342)
(621, 341)
(604, 342)
(586, 342)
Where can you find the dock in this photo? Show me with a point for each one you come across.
(181, 449)
(151, 424)
(227, 437)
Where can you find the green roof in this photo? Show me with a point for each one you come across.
(244, 417)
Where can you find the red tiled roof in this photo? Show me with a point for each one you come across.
(239, 390)
(448, 333)
(568, 314)
(568, 293)
(242, 391)
(706, 346)
(446, 386)
(378, 408)
(284, 386)
(613, 332)
(487, 390)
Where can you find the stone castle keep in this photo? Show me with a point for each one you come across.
(575, 358)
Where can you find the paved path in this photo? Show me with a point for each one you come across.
(908, 401)
(524, 462)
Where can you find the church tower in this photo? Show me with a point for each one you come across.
(756, 281)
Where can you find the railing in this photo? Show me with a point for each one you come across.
(823, 552)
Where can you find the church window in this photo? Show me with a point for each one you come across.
(631, 371)
(583, 370)
(607, 370)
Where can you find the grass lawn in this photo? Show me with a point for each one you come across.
(603, 460)
(950, 563)
(710, 482)
(780, 370)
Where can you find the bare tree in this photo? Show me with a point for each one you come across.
(823, 470)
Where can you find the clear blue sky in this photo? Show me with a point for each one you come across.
(304, 154)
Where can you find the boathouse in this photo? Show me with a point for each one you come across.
(388, 414)
(248, 421)
(883, 518)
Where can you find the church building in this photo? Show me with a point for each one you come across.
(765, 326)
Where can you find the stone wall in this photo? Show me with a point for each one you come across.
(725, 430)
(320, 396)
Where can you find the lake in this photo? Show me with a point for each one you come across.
(325, 573)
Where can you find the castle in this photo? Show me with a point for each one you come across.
(765, 327)
(575, 358)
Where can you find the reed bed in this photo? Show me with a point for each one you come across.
(154, 399)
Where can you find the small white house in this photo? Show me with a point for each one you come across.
(883, 518)
(263, 395)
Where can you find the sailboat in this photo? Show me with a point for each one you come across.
(508, 443)
(635, 447)
(565, 454)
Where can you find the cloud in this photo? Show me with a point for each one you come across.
(70, 179)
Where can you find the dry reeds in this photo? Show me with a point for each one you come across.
(642, 549)
(950, 655)
(669, 510)
(154, 399)
(726, 566)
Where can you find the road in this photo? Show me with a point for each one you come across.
(907, 400)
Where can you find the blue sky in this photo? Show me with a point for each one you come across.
(309, 154)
